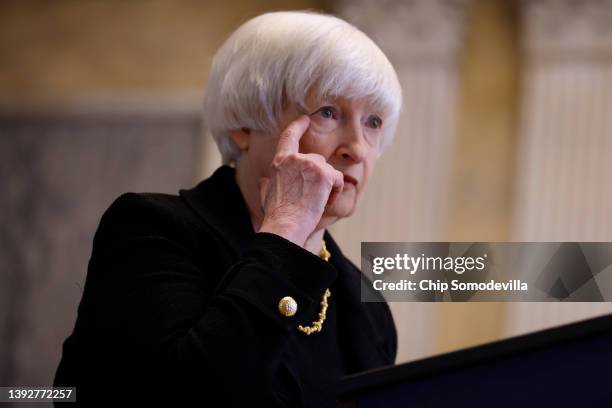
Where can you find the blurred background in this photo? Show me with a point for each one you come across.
(506, 135)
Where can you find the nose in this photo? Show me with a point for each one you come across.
(353, 145)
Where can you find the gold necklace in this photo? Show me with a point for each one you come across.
(318, 325)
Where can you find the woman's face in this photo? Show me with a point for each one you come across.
(346, 132)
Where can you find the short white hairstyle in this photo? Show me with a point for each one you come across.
(278, 58)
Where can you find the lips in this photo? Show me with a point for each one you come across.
(350, 179)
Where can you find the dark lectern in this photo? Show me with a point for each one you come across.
(567, 366)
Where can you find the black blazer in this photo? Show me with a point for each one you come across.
(181, 300)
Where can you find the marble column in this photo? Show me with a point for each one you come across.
(564, 168)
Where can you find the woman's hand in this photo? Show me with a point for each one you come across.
(299, 188)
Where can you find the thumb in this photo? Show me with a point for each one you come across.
(264, 185)
(332, 197)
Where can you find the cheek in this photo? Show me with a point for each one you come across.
(368, 168)
(262, 151)
(315, 141)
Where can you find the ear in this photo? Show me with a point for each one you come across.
(242, 138)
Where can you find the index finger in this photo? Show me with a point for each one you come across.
(289, 140)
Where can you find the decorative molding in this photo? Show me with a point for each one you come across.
(569, 29)
(410, 31)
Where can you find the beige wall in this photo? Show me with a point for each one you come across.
(55, 51)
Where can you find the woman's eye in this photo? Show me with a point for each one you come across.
(374, 122)
(327, 112)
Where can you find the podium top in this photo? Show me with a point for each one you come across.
(355, 385)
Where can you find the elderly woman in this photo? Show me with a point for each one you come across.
(234, 291)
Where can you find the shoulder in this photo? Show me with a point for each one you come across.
(139, 207)
(137, 215)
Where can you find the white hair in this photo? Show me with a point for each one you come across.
(280, 57)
